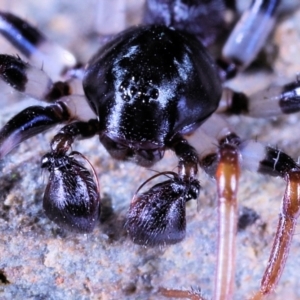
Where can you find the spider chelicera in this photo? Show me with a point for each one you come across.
(138, 117)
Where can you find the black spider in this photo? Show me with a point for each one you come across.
(149, 89)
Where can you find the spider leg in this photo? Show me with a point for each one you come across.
(36, 119)
(222, 159)
(272, 102)
(29, 122)
(227, 176)
(224, 164)
(248, 37)
(269, 161)
(71, 197)
(276, 163)
(32, 81)
(290, 212)
(34, 45)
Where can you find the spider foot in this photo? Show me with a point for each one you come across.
(33, 44)
(31, 81)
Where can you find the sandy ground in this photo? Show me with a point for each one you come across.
(38, 260)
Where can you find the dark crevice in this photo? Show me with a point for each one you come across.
(247, 217)
(3, 278)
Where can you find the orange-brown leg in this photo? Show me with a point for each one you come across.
(285, 230)
(186, 294)
(227, 176)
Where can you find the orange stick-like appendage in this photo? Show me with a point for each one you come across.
(283, 238)
(172, 293)
(227, 176)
